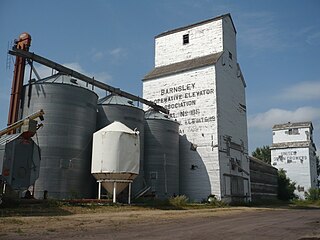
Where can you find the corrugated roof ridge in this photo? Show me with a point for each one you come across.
(292, 124)
(8, 138)
(197, 24)
(260, 161)
(183, 66)
(291, 144)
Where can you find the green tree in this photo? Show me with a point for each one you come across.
(263, 153)
(285, 186)
(318, 170)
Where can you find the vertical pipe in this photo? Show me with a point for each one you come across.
(22, 43)
(99, 190)
(4, 188)
(114, 192)
(165, 173)
(33, 190)
(129, 194)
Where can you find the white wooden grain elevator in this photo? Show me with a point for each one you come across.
(197, 77)
(294, 151)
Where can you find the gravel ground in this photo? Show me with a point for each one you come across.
(224, 223)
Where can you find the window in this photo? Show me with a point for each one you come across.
(230, 55)
(233, 164)
(193, 147)
(185, 39)
(293, 131)
(239, 165)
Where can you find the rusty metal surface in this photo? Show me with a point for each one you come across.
(22, 43)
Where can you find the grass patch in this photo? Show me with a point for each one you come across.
(179, 201)
(61, 208)
(305, 203)
(33, 207)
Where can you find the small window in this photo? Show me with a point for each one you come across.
(300, 188)
(239, 165)
(230, 55)
(233, 164)
(186, 39)
(193, 147)
(293, 131)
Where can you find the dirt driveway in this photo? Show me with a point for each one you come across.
(228, 223)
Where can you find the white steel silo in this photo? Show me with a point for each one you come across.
(115, 157)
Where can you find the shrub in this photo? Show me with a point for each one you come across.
(313, 194)
(179, 201)
(285, 186)
(213, 201)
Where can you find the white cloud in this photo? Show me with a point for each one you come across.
(115, 54)
(275, 116)
(98, 56)
(99, 76)
(118, 53)
(44, 72)
(314, 39)
(301, 91)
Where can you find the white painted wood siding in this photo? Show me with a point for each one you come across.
(300, 165)
(232, 121)
(281, 136)
(205, 118)
(203, 40)
(190, 97)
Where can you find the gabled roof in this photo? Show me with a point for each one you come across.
(197, 24)
(183, 66)
(300, 144)
(115, 99)
(117, 127)
(292, 125)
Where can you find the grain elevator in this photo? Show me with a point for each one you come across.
(190, 138)
(294, 151)
(198, 79)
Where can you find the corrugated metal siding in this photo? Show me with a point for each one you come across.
(8, 138)
(162, 156)
(117, 108)
(66, 138)
(264, 180)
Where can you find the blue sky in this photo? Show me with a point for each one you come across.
(278, 48)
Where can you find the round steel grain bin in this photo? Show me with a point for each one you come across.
(116, 108)
(115, 156)
(65, 139)
(161, 154)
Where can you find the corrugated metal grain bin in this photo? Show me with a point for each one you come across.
(116, 108)
(66, 138)
(161, 154)
(19, 161)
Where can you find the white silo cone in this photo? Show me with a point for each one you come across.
(115, 157)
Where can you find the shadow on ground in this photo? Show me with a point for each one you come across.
(31, 207)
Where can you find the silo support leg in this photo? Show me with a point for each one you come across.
(114, 192)
(129, 194)
(99, 190)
